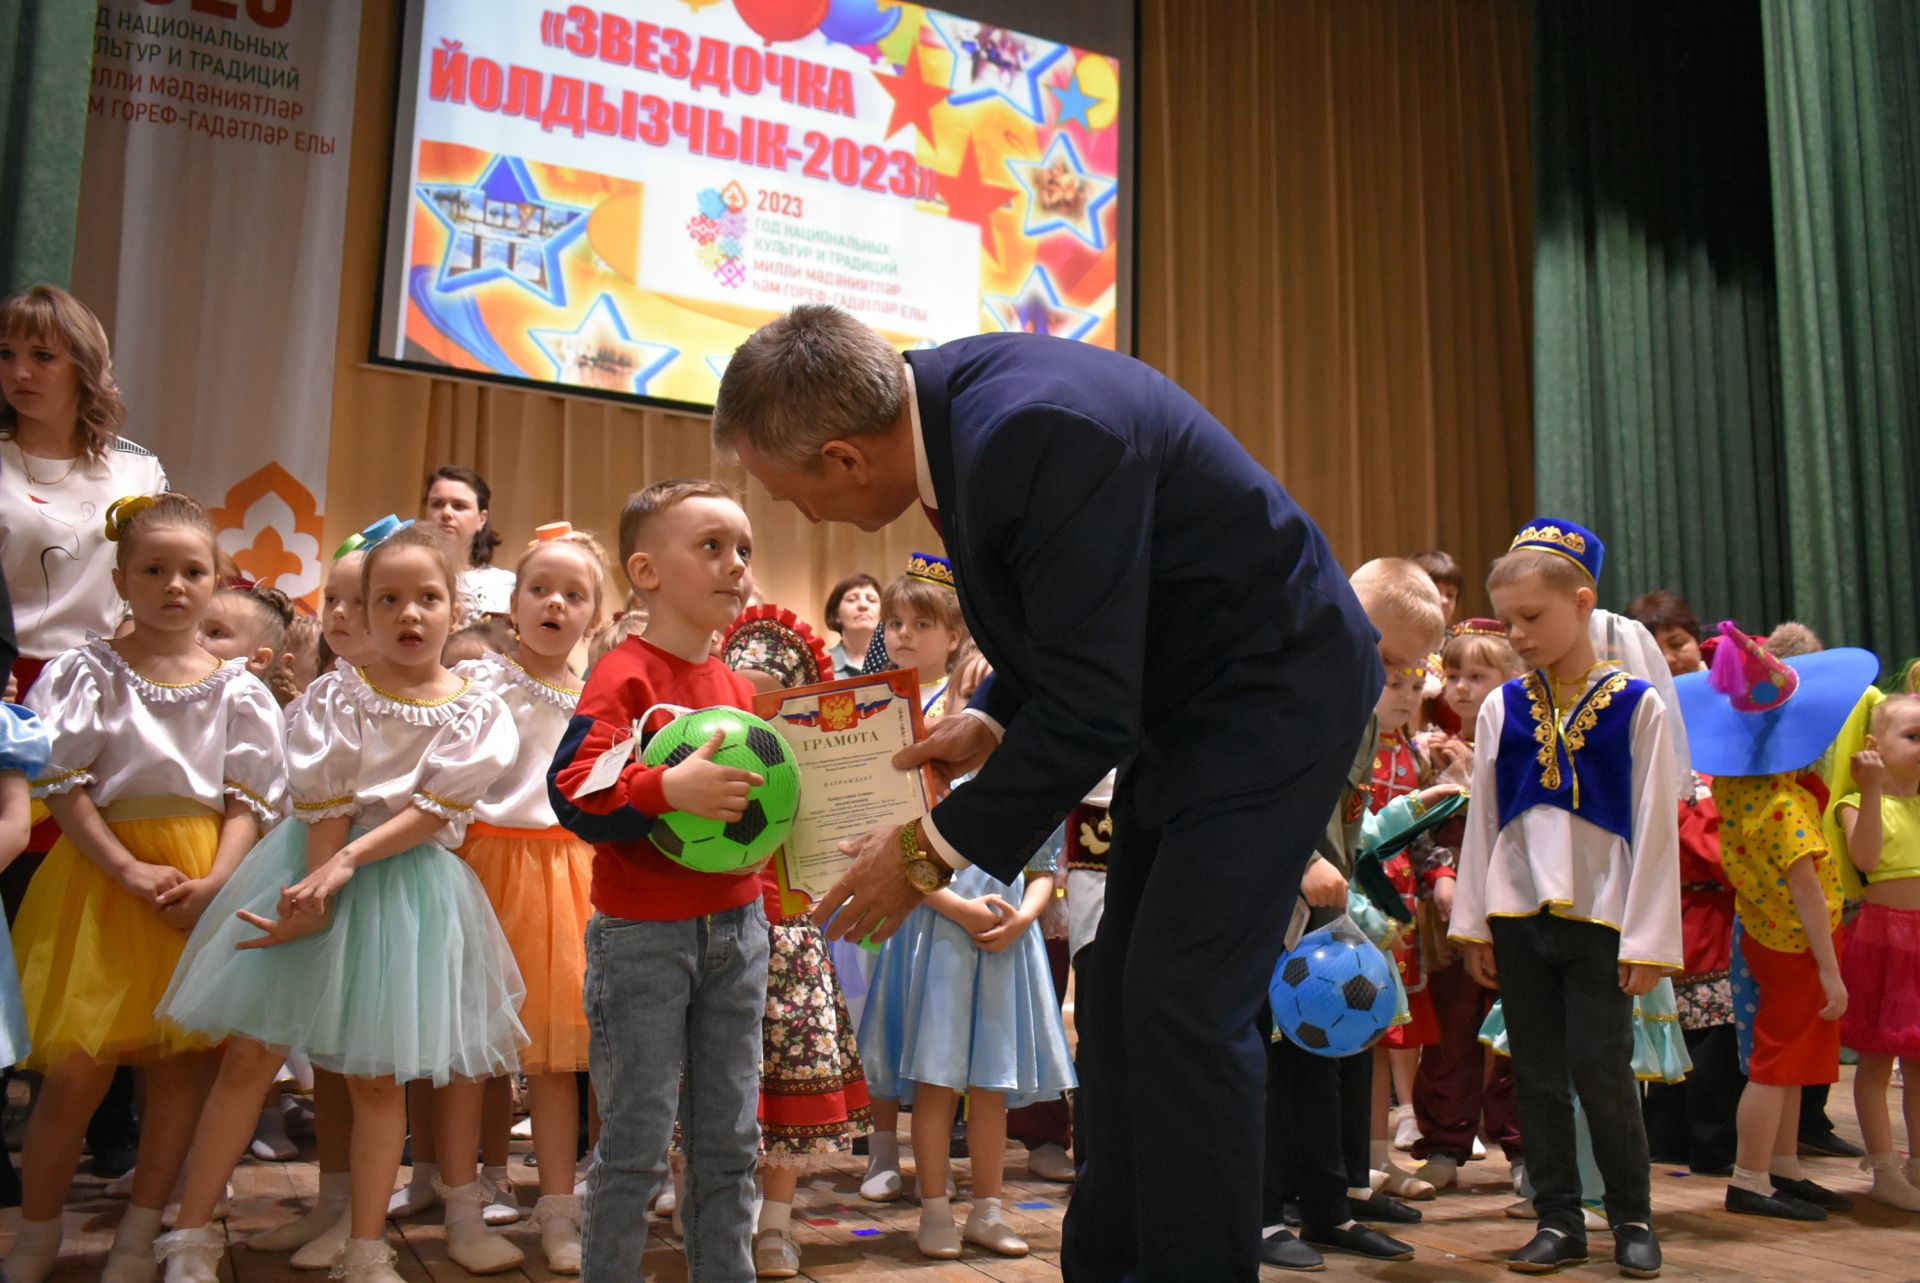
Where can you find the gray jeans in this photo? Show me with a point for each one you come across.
(660, 996)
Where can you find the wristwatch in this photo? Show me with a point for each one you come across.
(925, 872)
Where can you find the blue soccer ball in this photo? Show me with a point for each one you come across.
(1333, 993)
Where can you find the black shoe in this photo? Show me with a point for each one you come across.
(9, 1181)
(1283, 1251)
(1362, 1241)
(111, 1164)
(1382, 1210)
(1779, 1206)
(1636, 1251)
(1546, 1252)
(1829, 1145)
(1290, 1215)
(1722, 1170)
(1808, 1192)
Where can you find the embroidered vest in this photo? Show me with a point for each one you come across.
(1585, 769)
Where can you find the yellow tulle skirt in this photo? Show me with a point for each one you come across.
(93, 960)
(540, 882)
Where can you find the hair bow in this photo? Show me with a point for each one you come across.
(123, 510)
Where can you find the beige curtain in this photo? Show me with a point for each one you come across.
(1334, 258)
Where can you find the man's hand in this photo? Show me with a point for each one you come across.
(701, 786)
(1480, 964)
(1637, 979)
(1322, 886)
(873, 898)
(955, 746)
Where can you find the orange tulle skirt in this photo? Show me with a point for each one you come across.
(540, 883)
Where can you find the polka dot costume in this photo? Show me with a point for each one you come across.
(1769, 823)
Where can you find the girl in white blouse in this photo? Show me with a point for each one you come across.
(367, 943)
(166, 763)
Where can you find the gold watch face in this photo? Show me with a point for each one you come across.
(924, 876)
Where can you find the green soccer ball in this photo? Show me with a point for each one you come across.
(716, 846)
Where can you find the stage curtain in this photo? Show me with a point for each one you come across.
(1656, 394)
(1335, 255)
(1843, 97)
(46, 56)
(1335, 248)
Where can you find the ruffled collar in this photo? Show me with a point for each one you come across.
(166, 692)
(418, 712)
(516, 675)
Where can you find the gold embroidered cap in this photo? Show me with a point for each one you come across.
(934, 570)
(1563, 539)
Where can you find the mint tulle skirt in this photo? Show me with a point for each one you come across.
(1659, 1047)
(413, 977)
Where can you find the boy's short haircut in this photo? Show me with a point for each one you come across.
(644, 505)
(928, 600)
(1477, 648)
(1884, 710)
(1793, 638)
(1659, 610)
(1561, 573)
(1441, 568)
(1397, 588)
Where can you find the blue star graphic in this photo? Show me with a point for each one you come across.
(500, 226)
(718, 364)
(1062, 195)
(1004, 65)
(1075, 102)
(1037, 309)
(600, 353)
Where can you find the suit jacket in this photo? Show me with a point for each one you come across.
(1147, 594)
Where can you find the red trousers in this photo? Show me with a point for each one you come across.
(1452, 1091)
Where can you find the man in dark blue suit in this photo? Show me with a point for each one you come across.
(1148, 596)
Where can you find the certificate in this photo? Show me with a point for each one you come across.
(844, 735)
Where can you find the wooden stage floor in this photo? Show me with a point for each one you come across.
(842, 1238)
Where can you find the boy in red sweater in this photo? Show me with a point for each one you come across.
(676, 960)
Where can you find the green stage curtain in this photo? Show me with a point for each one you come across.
(1843, 98)
(46, 58)
(1656, 402)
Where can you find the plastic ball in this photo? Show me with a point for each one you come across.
(1333, 994)
(720, 846)
(859, 22)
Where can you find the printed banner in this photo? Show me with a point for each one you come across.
(212, 207)
(613, 196)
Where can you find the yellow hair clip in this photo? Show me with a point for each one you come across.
(123, 510)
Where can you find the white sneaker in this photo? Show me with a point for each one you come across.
(270, 1143)
(418, 1194)
(192, 1256)
(1402, 1183)
(1050, 1163)
(1518, 1171)
(1479, 1149)
(505, 1208)
(322, 1252)
(1440, 1172)
(883, 1185)
(1890, 1185)
(774, 1255)
(1404, 1126)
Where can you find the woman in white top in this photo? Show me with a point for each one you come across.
(62, 463)
(456, 508)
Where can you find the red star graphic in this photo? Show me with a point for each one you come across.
(973, 200)
(913, 98)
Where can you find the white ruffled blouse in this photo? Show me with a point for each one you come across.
(353, 749)
(118, 735)
(541, 711)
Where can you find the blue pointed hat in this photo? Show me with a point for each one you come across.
(1756, 714)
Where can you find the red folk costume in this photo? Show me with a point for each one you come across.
(1396, 771)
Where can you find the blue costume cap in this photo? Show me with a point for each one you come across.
(380, 531)
(1563, 539)
(934, 570)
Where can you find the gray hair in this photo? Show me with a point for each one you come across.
(814, 375)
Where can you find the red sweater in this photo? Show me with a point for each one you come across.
(631, 879)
